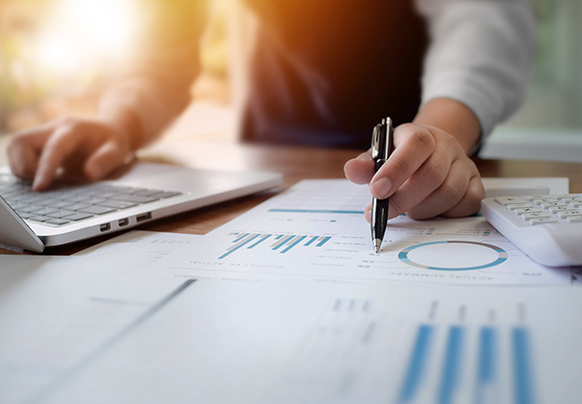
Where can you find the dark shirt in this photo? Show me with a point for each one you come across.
(325, 72)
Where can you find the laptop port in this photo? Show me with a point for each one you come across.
(105, 227)
(143, 216)
(123, 222)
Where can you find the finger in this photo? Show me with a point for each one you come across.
(428, 178)
(23, 151)
(413, 145)
(447, 195)
(471, 202)
(368, 212)
(101, 163)
(58, 147)
(360, 170)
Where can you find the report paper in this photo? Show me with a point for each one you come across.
(307, 342)
(56, 313)
(316, 230)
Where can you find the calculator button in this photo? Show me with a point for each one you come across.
(556, 209)
(542, 220)
(526, 210)
(567, 213)
(547, 205)
(543, 200)
(519, 206)
(574, 219)
(560, 196)
(508, 200)
(528, 216)
(533, 197)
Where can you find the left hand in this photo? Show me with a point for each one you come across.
(428, 174)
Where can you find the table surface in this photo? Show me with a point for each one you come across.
(296, 163)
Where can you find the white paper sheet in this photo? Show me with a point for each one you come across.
(316, 230)
(56, 312)
(263, 342)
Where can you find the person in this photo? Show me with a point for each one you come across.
(323, 73)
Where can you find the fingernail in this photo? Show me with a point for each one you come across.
(381, 188)
(365, 157)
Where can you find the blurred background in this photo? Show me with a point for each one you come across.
(55, 59)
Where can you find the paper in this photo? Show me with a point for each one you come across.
(56, 312)
(167, 241)
(265, 342)
(316, 230)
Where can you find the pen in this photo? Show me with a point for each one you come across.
(382, 145)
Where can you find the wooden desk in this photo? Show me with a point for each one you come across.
(296, 163)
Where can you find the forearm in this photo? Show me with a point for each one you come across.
(454, 118)
(153, 87)
(481, 53)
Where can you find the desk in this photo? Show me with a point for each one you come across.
(296, 163)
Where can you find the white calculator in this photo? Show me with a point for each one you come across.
(548, 228)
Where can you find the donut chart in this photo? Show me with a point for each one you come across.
(453, 255)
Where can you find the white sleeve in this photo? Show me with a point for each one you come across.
(480, 53)
(156, 82)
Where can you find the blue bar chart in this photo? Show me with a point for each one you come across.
(449, 361)
(280, 243)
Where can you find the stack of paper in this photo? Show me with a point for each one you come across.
(288, 303)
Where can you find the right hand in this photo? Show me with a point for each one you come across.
(80, 146)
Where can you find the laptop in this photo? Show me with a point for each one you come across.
(141, 193)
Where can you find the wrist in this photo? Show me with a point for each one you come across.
(126, 124)
(453, 117)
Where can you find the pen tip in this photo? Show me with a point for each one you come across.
(377, 245)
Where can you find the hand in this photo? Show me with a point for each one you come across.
(91, 147)
(428, 174)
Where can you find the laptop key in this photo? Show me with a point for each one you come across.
(39, 218)
(163, 195)
(117, 204)
(97, 210)
(25, 215)
(78, 206)
(45, 211)
(78, 216)
(62, 213)
(60, 204)
(134, 198)
(58, 221)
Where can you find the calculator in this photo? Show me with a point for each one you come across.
(548, 228)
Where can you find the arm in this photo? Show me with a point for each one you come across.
(466, 91)
(146, 95)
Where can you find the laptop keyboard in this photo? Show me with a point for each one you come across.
(67, 205)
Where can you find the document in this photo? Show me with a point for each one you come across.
(307, 342)
(316, 231)
(58, 312)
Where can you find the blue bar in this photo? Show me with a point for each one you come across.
(283, 242)
(294, 244)
(260, 241)
(417, 364)
(239, 246)
(451, 366)
(353, 212)
(236, 240)
(311, 241)
(487, 366)
(278, 237)
(522, 366)
(322, 242)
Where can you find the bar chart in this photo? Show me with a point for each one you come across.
(276, 242)
(454, 355)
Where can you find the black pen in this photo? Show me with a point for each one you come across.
(382, 145)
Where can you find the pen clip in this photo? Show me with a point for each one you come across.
(376, 141)
(382, 140)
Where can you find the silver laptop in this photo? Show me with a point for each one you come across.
(144, 192)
